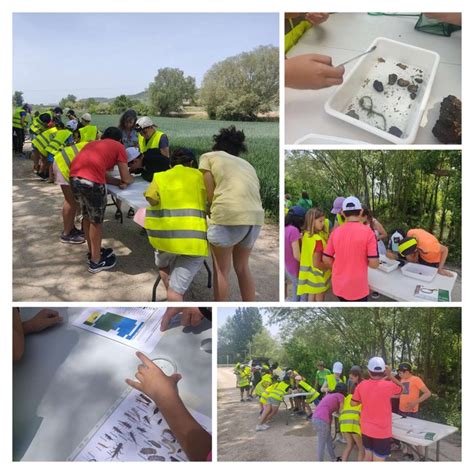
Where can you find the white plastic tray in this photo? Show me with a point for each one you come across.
(315, 138)
(419, 272)
(394, 102)
(387, 265)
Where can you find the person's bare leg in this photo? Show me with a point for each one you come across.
(221, 260)
(263, 417)
(35, 156)
(349, 446)
(69, 209)
(240, 258)
(86, 225)
(95, 236)
(358, 441)
(319, 296)
(368, 455)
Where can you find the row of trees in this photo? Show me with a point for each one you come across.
(403, 188)
(428, 338)
(239, 88)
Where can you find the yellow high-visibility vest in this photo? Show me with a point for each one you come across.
(152, 142)
(41, 141)
(349, 419)
(340, 220)
(266, 393)
(58, 141)
(312, 280)
(244, 379)
(263, 384)
(278, 391)
(37, 126)
(17, 117)
(88, 133)
(308, 388)
(64, 157)
(177, 224)
(332, 382)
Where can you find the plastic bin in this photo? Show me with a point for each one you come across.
(419, 272)
(387, 265)
(394, 103)
(316, 139)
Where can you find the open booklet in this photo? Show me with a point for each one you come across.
(135, 327)
(134, 430)
(431, 294)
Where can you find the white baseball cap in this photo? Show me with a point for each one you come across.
(144, 122)
(86, 117)
(337, 368)
(351, 203)
(72, 125)
(377, 365)
(132, 153)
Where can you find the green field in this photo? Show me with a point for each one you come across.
(262, 143)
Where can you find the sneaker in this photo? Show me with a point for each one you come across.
(375, 295)
(242, 400)
(77, 231)
(249, 399)
(72, 238)
(104, 253)
(266, 426)
(130, 213)
(261, 427)
(103, 264)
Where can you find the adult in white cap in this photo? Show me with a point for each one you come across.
(87, 131)
(350, 251)
(154, 145)
(135, 158)
(375, 395)
(333, 379)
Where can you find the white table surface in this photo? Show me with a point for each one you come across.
(69, 378)
(399, 287)
(132, 195)
(343, 36)
(402, 426)
(295, 395)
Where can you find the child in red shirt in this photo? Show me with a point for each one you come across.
(375, 396)
(350, 251)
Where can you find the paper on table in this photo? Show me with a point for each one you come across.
(135, 327)
(134, 430)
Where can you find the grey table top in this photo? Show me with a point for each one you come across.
(69, 378)
(343, 36)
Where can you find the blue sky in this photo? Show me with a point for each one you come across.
(223, 314)
(104, 55)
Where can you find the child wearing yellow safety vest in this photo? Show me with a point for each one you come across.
(271, 402)
(349, 418)
(312, 396)
(314, 277)
(243, 379)
(261, 388)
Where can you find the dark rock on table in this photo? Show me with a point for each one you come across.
(392, 78)
(378, 86)
(448, 127)
(353, 114)
(403, 82)
(395, 131)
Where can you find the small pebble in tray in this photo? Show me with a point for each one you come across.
(392, 78)
(395, 131)
(378, 86)
(403, 82)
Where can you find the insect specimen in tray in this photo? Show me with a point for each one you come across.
(154, 443)
(139, 428)
(108, 436)
(124, 423)
(103, 445)
(155, 457)
(147, 420)
(116, 451)
(132, 437)
(117, 430)
(148, 451)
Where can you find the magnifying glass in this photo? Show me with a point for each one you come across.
(166, 365)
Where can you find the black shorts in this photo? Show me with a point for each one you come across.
(91, 198)
(379, 446)
(365, 298)
(428, 264)
(247, 387)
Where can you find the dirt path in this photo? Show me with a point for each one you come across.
(44, 269)
(238, 440)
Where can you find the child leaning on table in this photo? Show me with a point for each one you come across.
(322, 418)
(163, 390)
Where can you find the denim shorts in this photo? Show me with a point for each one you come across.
(91, 198)
(232, 235)
(183, 269)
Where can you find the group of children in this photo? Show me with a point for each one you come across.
(320, 253)
(194, 204)
(360, 405)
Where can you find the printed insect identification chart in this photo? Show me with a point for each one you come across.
(134, 430)
(135, 327)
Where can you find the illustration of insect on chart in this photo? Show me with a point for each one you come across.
(134, 430)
